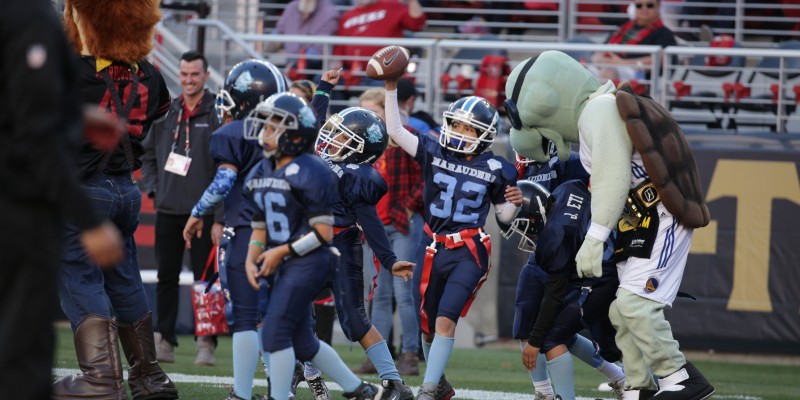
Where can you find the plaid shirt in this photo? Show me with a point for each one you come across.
(405, 183)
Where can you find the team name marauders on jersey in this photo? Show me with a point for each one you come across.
(545, 177)
(274, 183)
(461, 169)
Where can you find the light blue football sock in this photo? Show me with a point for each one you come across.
(245, 360)
(562, 375)
(332, 365)
(612, 371)
(263, 354)
(440, 351)
(539, 374)
(381, 358)
(426, 347)
(584, 349)
(282, 362)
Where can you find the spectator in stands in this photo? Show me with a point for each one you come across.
(181, 138)
(374, 18)
(306, 17)
(400, 210)
(406, 98)
(646, 28)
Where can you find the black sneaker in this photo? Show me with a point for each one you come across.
(365, 391)
(318, 388)
(396, 390)
(297, 377)
(687, 383)
(444, 391)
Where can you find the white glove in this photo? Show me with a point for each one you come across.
(589, 259)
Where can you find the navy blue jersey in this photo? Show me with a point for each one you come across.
(555, 172)
(228, 146)
(360, 188)
(359, 185)
(566, 227)
(457, 192)
(286, 198)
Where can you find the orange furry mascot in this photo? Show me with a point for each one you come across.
(109, 307)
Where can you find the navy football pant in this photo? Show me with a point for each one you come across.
(453, 277)
(243, 296)
(288, 321)
(530, 290)
(348, 285)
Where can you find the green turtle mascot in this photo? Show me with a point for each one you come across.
(645, 189)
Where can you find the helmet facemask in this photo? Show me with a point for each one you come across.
(223, 104)
(337, 142)
(264, 116)
(460, 143)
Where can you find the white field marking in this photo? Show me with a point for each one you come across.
(462, 393)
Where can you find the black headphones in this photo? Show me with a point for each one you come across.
(511, 104)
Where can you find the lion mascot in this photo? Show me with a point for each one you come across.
(645, 190)
(108, 308)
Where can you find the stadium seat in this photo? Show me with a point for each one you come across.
(758, 96)
(706, 87)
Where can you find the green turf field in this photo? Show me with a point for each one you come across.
(480, 371)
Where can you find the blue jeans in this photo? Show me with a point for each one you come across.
(86, 289)
(389, 285)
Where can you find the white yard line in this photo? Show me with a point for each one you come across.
(460, 393)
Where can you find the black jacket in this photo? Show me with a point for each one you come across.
(175, 194)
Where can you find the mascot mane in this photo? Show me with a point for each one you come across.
(117, 30)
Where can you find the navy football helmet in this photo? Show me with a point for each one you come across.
(354, 135)
(248, 83)
(476, 112)
(536, 203)
(290, 117)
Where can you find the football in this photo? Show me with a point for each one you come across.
(388, 63)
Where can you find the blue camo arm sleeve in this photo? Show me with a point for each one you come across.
(215, 193)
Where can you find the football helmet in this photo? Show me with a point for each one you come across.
(248, 83)
(536, 203)
(522, 160)
(354, 135)
(474, 111)
(291, 119)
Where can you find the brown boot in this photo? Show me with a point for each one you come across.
(145, 377)
(408, 365)
(366, 368)
(98, 358)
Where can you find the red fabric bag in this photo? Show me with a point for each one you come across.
(208, 301)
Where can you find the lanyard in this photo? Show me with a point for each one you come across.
(188, 146)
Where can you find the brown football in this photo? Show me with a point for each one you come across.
(388, 63)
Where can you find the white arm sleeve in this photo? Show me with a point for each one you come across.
(405, 139)
(506, 212)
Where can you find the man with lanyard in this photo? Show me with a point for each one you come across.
(176, 169)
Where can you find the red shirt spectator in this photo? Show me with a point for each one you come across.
(377, 18)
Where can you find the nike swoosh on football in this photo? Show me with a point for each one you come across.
(389, 61)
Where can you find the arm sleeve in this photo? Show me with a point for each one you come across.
(215, 192)
(554, 292)
(405, 139)
(321, 100)
(506, 212)
(376, 235)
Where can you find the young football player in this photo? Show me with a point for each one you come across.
(462, 178)
(533, 279)
(292, 194)
(247, 84)
(350, 141)
(554, 226)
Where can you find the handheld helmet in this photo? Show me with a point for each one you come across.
(291, 119)
(536, 203)
(248, 83)
(354, 135)
(474, 111)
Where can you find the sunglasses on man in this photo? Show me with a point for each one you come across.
(645, 5)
